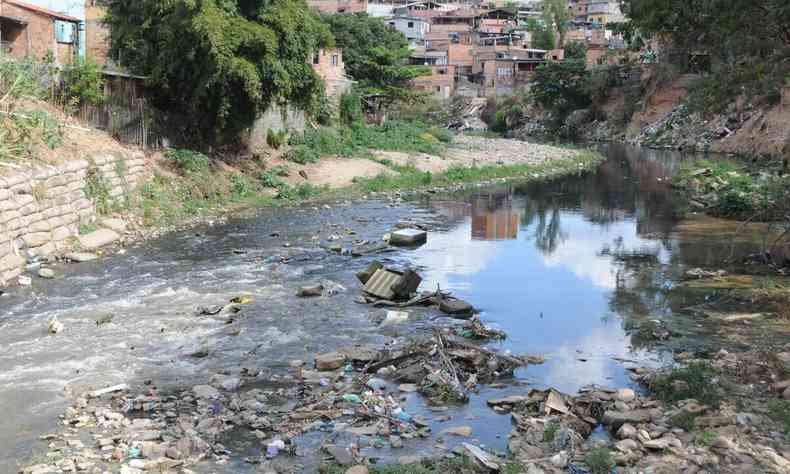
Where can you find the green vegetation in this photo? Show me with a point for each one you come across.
(550, 432)
(83, 83)
(684, 421)
(219, 63)
(562, 87)
(779, 410)
(707, 438)
(729, 189)
(359, 138)
(599, 460)
(542, 32)
(458, 465)
(576, 50)
(698, 381)
(376, 56)
(411, 178)
(741, 46)
(188, 161)
(98, 191)
(276, 138)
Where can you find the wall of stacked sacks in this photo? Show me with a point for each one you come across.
(42, 208)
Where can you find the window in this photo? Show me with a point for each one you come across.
(442, 71)
(504, 72)
(411, 24)
(438, 89)
(316, 58)
(335, 59)
(64, 32)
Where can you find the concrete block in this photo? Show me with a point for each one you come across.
(98, 239)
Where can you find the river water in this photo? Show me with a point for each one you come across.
(564, 268)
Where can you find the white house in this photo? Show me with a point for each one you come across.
(413, 28)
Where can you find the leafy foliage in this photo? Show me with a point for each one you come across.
(695, 381)
(220, 62)
(83, 82)
(576, 50)
(188, 161)
(376, 56)
(746, 42)
(542, 33)
(561, 87)
(599, 460)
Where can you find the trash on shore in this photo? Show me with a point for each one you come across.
(395, 288)
(408, 237)
(475, 329)
(446, 368)
(54, 326)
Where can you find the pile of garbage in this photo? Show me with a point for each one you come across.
(389, 287)
(446, 368)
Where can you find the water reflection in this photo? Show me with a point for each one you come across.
(493, 217)
(568, 268)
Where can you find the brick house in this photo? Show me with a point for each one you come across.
(440, 83)
(31, 31)
(329, 65)
(97, 36)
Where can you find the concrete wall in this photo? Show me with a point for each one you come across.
(41, 209)
(277, 118)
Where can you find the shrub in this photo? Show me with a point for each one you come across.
(599, 461)
(276, 138)
(550, 432)
(83, 82)
(187, 161)
(350, 108)
(779, 410)
(241, 187)
(697, 381)
(302, 154)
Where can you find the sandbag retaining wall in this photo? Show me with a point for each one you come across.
(41, 209)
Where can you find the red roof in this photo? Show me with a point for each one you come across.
(43, 11)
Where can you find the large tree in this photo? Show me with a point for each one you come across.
(376, 55)
(219, 63)
(721, 27)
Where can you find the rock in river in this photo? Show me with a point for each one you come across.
(98, 239)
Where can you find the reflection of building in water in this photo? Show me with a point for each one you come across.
(493, 217)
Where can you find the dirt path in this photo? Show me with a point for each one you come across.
(466, 151)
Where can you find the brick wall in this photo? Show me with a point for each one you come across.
(41, 209)
(35, 39)
(97, 44)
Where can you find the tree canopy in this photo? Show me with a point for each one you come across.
(375, 55)
(220, 63)
(721, 27)
(542, 34)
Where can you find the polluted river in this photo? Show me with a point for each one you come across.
(565, 269)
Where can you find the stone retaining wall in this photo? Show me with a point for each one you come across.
(41, 209)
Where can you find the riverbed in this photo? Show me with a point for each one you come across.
(565, 268)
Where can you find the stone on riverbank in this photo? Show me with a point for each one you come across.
(116, 225)
(330, 361)
(46, 273)
(81, 257)
(98, 239)
(408, 237)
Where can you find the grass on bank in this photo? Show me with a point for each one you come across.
(730, 189)
(358, 138)
(194, 185)
(411, 178)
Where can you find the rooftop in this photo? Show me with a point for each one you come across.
(43, 11)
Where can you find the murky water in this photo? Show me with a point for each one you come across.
(564, 268)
